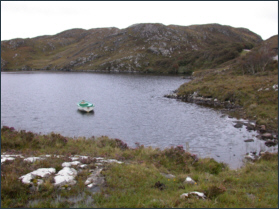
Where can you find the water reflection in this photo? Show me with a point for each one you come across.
(83, 113)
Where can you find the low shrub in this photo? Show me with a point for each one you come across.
(209, 165)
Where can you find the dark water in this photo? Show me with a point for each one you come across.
(130, 107)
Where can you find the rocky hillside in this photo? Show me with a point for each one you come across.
(154, 48)
(247, 85)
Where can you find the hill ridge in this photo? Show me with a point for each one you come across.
(142, 47)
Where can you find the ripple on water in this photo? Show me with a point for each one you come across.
(130, 107)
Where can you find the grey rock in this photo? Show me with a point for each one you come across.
(238, 125)
(249, 140)
(267, 136)
(169, 176)
(271, 143)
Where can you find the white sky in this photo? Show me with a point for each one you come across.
(28, 19)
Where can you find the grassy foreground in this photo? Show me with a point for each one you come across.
(133, 183)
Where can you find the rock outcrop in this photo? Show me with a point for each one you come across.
(138, 48)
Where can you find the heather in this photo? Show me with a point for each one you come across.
(147, 177)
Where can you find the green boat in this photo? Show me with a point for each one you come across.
(85, 106)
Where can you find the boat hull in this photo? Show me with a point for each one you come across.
(85, 109)
(85, 106)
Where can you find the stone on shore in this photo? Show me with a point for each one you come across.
(252, 156)
(271, 143)
(238, 125)
(248, 140)
(262, 129)
(267, 136)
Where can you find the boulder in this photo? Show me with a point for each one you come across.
(252, 156)
(249, 140)
(69, 164)
(65, 176)
(198, 195)
(267, 136)
(250, 127)
(168, 176)
(94, 178)
(41, 172)
(189, 180)
(238, 125)
(3, 159)
(270, 143)
(262, 129)
(33, 159)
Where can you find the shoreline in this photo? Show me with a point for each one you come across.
(226, 107)
(103, 172)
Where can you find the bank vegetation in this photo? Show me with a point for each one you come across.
(147, 177)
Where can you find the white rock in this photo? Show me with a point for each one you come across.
(45, 155)
(251, 156)
(90, 185)
(6, 158)
(77, 157)
(33, 159)
(12, 156)
(189, 180)
(98, 164)
(83, 157)
(58, 156)
(42, 172)
(26, 179)
(198, 194)
(74, 158)
(99, 158)
(82, 166)
(65, 176)
(69, 164)
(111, 161)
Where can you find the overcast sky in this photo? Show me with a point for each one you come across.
(28, 19)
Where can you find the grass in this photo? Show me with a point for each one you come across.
(244, 90)
(135, 182)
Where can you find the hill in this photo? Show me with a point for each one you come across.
(152, 48)
(248, 85)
